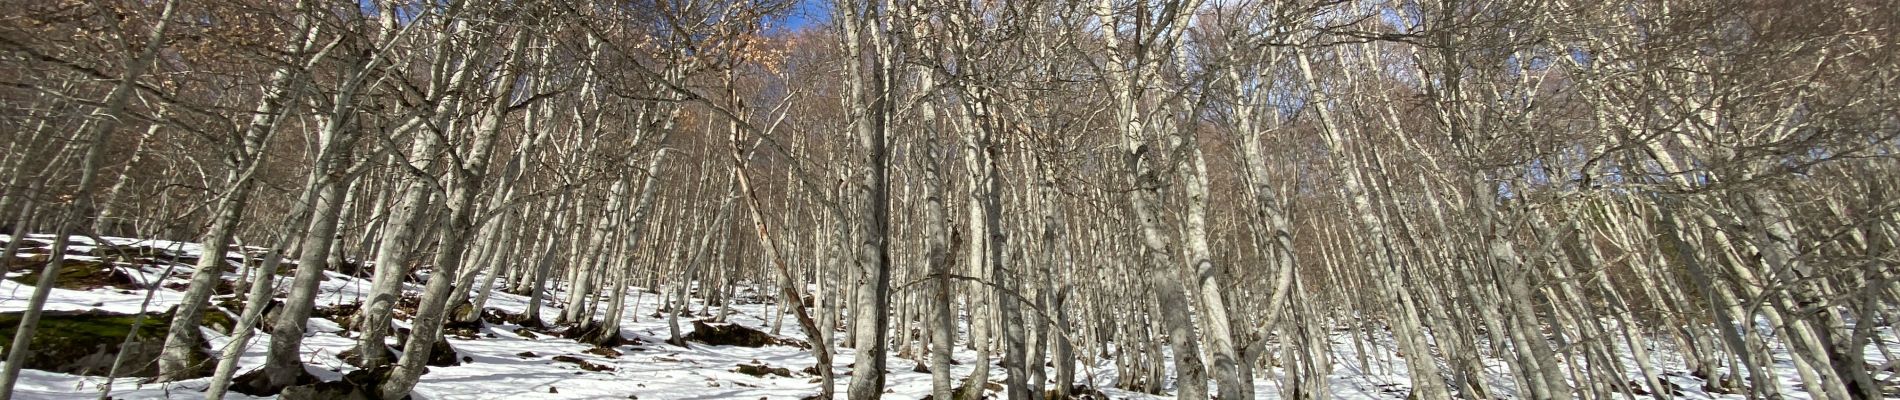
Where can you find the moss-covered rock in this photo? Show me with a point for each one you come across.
(464, 322)
(25, 262)
(223, 288)
(27, 244)
(85, 342)
(595, 333)
(219, 320)
(496, 316)
(729, 334)
(82, 275)
(584, 364)
(257, 383)
(607, 352)
(356, 385)
(134, 253)
(354, 356)
(440, 355)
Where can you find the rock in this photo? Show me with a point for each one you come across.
(218, 320)
(224, 287)
(584, 364)
(463, 318)
(323, 391)
(440, 355)
(596, 334)
(254, 383)
(496, 316)
(27, 243)
(604, 352)
(137, 252)
(730, 334)
(960, 392)
(525, 333)
(527, 354)
(25, 261)
(356, 385)
(85, 342)
(762, 370)
(354, 356)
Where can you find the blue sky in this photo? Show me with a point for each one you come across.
(803, 13)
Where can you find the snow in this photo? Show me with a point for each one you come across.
(653, 369)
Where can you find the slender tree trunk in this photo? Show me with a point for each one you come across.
(180, 356)
(871, 95)
(257, 299)
(405, 222)
(284, 364)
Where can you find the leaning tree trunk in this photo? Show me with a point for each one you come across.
(1207, 283)
(1426, 381)
(466, 179)
(180, 354)
(258, 299)
(609, 330)
(331, 174)
(404, 224)
(284, 363)
(790, 296)
(537, 293)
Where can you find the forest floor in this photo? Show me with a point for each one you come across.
(501, 362)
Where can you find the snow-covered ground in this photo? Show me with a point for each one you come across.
(501, 369)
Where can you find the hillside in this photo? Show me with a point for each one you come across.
(506, 361)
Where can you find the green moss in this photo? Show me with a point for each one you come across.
(89, 323)
(85, 342)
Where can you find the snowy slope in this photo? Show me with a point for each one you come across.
(500, 369)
